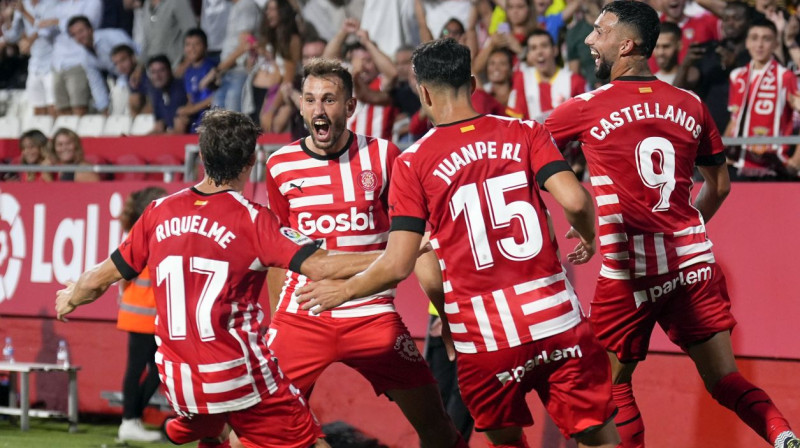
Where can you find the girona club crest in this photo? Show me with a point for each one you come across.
(12, 245)
(368, 180)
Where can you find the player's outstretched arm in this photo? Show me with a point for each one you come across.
(90, 285)
(392, 266)
(578, 208)
(715, 189)
(325, 265)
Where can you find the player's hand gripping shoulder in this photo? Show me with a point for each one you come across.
(583, 251)
(322, 295)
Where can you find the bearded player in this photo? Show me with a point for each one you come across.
(642, 139)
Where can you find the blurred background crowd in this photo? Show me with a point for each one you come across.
(78, 68)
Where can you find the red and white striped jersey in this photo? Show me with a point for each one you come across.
(476, 183)
(642, 138)
(371, 119)
(533, 97)
(208, 255)
(340, 199)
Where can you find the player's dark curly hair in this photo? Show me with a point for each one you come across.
(442, 63)
(136, 203)
(640, 17)
(227, 143)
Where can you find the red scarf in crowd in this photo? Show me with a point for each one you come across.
(759, 106)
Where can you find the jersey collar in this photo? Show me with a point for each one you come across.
(196, 191)
(636, 78)
(333, 156)
(460, 121)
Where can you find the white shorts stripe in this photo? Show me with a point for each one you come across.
(526, 287)
(609, 219)
(555, 325)
(441, 265)
(362, 240)
(234, 405)
(226, 386)
(639, 256)
(545, 303)
(613, 238)
(304, 182)
(661, 253)
(220, 366)
(293, 306)
(505, 317)
(434, 243)
(308, 201)
(617, 256)
(484, 324)
(465, 347)
(607, 199)
(458, 328)
(451, 307)
(187, 388)
(447, 287)
(170, 383)
(693, 248)
(691, 230)
(283, 167)
(704, 258)
(363, 311)
(601, 180)
(614, 274)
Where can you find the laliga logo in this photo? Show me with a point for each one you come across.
(12, 234)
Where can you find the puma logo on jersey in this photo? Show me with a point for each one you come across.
(655, 292)
(517, 373)
(298, 186)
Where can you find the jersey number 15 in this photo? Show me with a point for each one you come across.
(467, 200)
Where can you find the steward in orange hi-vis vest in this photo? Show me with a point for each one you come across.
(137, 307)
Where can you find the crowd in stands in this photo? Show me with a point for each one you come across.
(174, 59)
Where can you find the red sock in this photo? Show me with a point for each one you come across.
(751, 404)
(521, 443)
(628, 419)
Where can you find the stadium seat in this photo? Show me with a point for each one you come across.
(66, 121)
(9, 127)
(117, 125)
(166, 159)
(44, 123)
(143, 124)
(91, 125)
(130, 159)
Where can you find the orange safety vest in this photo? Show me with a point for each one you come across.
(137, 307)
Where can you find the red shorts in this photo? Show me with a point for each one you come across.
(691, 305)
(280, 420)
(569, 371)
(378, 347)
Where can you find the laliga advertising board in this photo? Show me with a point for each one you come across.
(50, 233)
